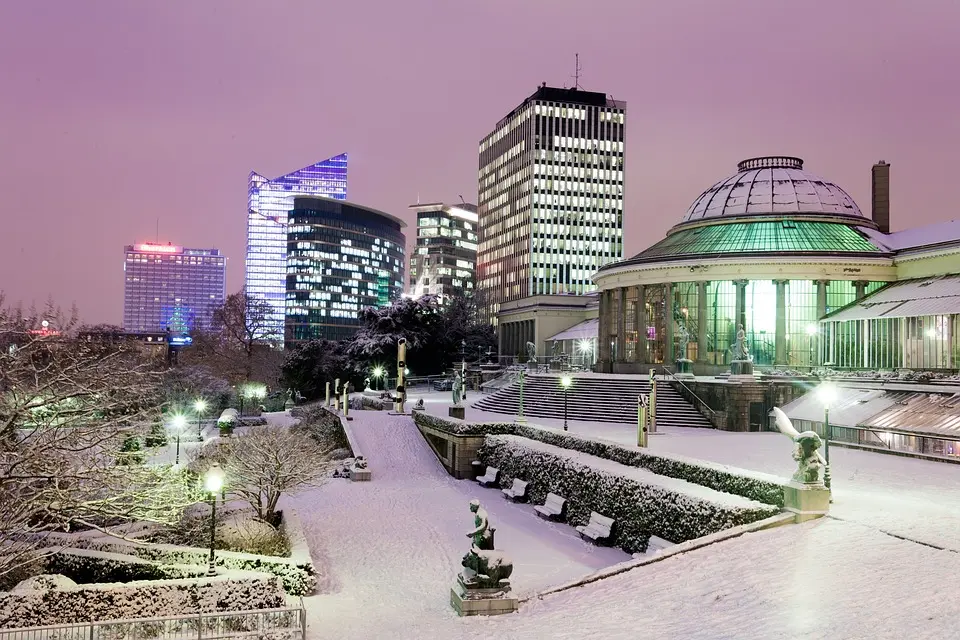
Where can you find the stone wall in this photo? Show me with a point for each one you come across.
(731, 401)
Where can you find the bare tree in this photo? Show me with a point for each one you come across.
(66, 406)
(246, 336)
(268, 462)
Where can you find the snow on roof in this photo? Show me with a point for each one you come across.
(643, 476)
(925, 236)
(939, 295)
(581, 331)
(772, 185)
(850, 408)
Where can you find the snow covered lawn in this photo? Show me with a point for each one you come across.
(391, 548)
(918, 499)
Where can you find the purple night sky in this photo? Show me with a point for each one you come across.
(118, 112)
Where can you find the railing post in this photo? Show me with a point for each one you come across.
(303, 620)
(653, 401)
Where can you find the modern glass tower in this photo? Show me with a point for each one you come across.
(167, 287)
(444, 260)
(551, 196)
(342, 258)
(268, 204)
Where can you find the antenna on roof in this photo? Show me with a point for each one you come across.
(576, 75)
(462, 200)
(418, 197)
(158, 230)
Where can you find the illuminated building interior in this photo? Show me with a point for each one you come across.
(341, 258)
(444, 260)
(269, 200)
(167, 287)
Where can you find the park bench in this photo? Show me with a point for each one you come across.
(517, 492)
(490, 477)
(554, 508)
(599, 530)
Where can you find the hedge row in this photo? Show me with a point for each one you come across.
(85, 566)
(642, 503)
(237, 591)
(297, 576)
(761, 487)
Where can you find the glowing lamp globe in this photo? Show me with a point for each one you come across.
(214, 479)
(565, 382)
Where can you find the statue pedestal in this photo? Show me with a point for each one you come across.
(807, 501)
(684, 368)
(741, 368)
(467, 601)
(289, 404)
(457, 412)
(360, 475)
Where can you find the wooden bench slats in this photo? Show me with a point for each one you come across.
(598, 529)
(517, 491)
(490, 476)
(553, 508)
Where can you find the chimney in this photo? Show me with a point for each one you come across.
(880, 196)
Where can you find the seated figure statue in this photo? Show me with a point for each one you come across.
(484, 568)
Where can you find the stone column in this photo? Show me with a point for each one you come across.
(859, 286)
(640, 355)
(502, 342)
(621, 321)
(822, 298)
(780, 340)
(668, 350)
(603, 337)
(702, 346)
(741, 286)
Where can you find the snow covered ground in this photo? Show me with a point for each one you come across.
(392, 547)
(917, 499)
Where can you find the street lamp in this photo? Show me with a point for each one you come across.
(565, 382)
(377, 374)
(214, 484)
(827, 393)
(200, 406)
(179, 422)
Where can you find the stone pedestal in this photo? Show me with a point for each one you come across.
(685, 368)
(289, 404)
(807, 501)
(360, 475)
(741, 368)
(457, 412)
(482, 602)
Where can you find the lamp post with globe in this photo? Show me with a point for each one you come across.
(565, 383)
(213, 483)
(200, 406)
(377, 374)
(179, 422)
(827, 394)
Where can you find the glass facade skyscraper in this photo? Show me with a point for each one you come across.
(341, 258)
(551, 196)
(445, 258)
(269, 200)
(170, 287)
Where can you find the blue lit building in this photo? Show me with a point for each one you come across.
(341, 258)
(268, 204)
(171, 288)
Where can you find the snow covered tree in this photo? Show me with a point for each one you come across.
(66, 408)
(309, 366)
(268, 462)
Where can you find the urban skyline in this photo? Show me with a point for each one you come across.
(131, 117)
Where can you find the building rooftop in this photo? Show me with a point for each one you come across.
(761, 236)
(773, 185)
(938, 295)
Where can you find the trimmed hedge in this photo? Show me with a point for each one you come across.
(297, 576)
(85, 566)
(761, 487)
(642, 503)
(235, 591)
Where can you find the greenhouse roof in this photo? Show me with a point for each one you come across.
(762, 236)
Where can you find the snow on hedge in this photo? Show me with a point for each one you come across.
(642, 503)
(754, 485)
(88, 566)
(57, 602)
(297, 575)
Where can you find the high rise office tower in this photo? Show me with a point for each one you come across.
(444, 261)
(341, 258)
(268, 204)
(167, 287)
(551, 196)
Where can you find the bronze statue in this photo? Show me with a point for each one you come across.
(457, 388)
(807, 454)
(484, 568)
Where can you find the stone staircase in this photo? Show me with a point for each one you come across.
(592, 398)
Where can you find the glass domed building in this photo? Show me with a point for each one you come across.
(773, 248)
